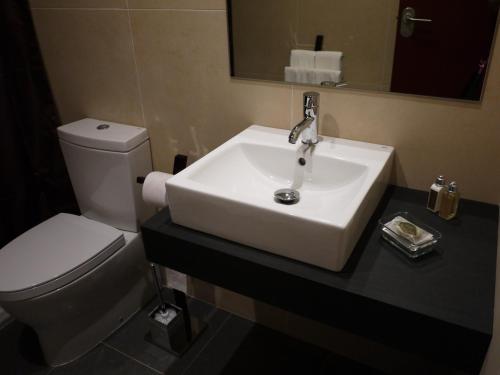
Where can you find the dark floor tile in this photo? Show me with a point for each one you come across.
(103, 361)
(20, 351)
(4, 322)
(243, 347)
(229, 345)
(130, 339)
(338, 365)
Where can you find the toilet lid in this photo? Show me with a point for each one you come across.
(53, 254)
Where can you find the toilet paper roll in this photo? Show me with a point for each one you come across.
(154, 190)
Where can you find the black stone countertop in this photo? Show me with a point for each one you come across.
(440, 307)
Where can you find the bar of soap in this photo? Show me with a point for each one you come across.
(408, 228)
(409, 231)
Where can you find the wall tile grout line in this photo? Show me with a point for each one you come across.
(136, 66)
(177, 10)
(47, 8)
(216, 333)
(130, 357)
(135, 9)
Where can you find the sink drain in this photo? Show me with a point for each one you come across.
(286, 196)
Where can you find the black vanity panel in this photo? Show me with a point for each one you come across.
(440, 307)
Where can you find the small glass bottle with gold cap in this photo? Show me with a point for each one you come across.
(449, 202)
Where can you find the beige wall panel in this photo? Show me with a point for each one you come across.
(177, 4)
(89, 59)
(191, 104)
(78, 3)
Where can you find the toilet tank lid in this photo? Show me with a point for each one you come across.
(103, 135)
(53, 254)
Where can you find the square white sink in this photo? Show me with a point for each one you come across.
(230, 193)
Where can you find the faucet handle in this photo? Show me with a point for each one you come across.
(311, 100)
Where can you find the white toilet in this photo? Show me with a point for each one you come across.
(76, 279)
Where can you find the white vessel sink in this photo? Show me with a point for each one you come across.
(230, 193)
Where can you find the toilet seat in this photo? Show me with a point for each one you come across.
(53, 254)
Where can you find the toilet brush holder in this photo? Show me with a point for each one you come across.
(169, 334)
(171, 327)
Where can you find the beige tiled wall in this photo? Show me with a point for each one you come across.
(82, 4)
(90, 61)
(164, 64)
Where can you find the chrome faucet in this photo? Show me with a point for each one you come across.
(308, 127)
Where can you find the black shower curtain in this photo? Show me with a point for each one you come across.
(34, 181)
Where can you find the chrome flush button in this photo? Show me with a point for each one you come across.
(102, 126)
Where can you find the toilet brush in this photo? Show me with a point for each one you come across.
(156, 279)
(172, 328)
(166, 312)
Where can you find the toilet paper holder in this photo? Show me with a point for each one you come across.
(180, 163)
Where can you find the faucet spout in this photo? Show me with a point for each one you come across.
(309, 125)
(297, 129)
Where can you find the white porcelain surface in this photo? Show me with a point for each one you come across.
(73, 319)
(103, 135)
(230, 193)
(74, 279)
(105, 181)
(70, 246)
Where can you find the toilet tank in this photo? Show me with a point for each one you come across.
(104, 160)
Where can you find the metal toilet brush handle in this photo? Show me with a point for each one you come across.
(157, 278)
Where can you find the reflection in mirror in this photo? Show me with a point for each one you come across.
(423, 47)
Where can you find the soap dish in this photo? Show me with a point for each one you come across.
(408, 234)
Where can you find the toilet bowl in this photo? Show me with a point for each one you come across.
(76, 279)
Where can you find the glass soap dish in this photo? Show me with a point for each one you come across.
(413, 240)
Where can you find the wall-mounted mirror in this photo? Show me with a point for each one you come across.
(423, 47)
